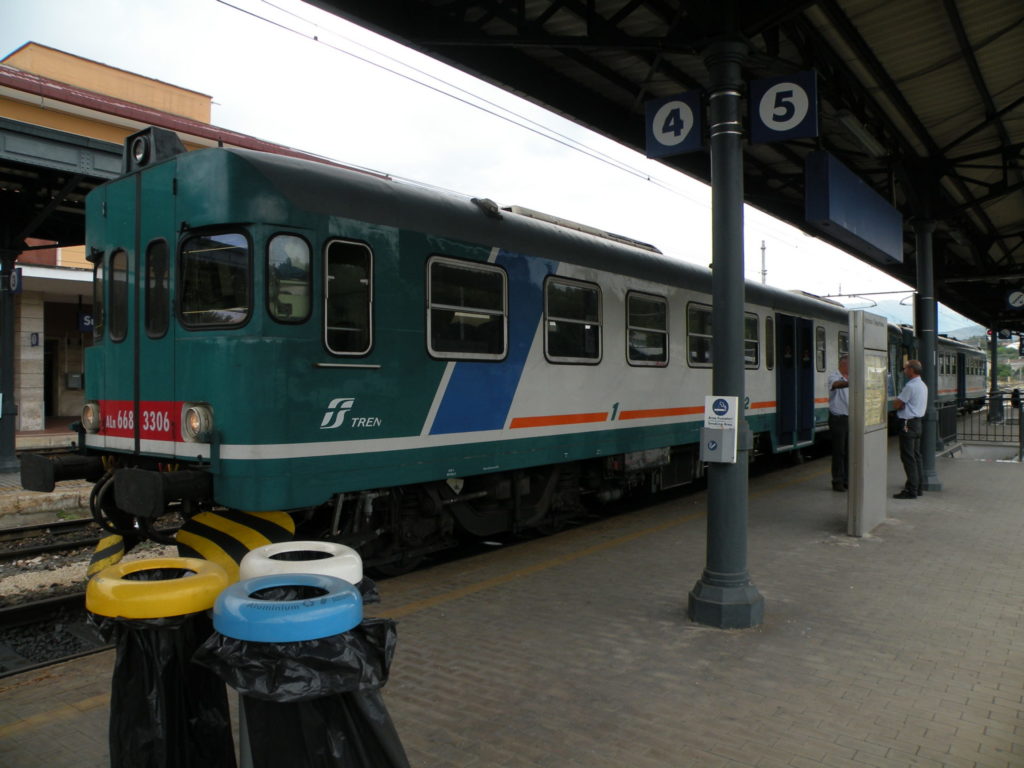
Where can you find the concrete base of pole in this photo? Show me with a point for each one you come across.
(738, 607)
(930, 481)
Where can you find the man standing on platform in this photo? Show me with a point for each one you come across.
(839, 422)
(911, 404)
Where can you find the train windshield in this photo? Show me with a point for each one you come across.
(215, 280)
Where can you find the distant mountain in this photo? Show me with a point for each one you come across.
(967, 332)
(950, 323)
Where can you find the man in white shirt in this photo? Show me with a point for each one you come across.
(911, 404)
(839, 421)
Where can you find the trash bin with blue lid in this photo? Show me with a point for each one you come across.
(309, 668)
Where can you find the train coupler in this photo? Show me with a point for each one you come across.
(146, 493)
(40, 472)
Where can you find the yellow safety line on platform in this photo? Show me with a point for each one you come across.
(63, 712)
(430, 602)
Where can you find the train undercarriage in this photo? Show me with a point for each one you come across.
(392, 528)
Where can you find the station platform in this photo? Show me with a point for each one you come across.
(903, 648)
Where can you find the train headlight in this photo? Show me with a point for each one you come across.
(140, 149)
(196, 422)
(91, 416)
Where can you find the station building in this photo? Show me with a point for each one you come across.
(60, 111)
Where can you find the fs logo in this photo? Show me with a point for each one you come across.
(336, 410)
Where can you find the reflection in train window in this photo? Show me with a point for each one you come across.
(698, 335)
(572, 321)
(646, 330)
(467, 310)
(288, 278)
(348, 298)
(214, 285)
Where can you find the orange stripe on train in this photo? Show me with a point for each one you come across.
(524, 422)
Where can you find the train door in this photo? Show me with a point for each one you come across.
(961, 379)
(139, 355)
(157, 415)
(794, 382)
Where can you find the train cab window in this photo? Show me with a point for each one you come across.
(769, 343)
(819, 348)
(288, 279)
(118, 309)
(467, 315)
(214, 285)
(751, 343)
(348, 298)
(98, 304)
(646, 330)
(572, 321)
(698, 335)
(157, 289)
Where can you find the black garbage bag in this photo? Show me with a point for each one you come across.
(165, 711)
(314, 703)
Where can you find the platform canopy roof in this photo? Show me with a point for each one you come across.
(923, 99)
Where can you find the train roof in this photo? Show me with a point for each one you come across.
(331, 190)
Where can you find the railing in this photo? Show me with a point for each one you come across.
(998, 421)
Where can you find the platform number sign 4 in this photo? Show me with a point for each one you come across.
(675, 125)
(783, 108)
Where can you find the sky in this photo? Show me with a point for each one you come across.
(289, 73)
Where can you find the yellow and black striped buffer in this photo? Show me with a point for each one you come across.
(109, 551)
(226, 536)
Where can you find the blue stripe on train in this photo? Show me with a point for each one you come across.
(479, 395)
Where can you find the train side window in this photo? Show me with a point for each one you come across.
(289, 278)
(751, 343)
(118, 295)
(646, 329)
(348, 298)
(572, 321)
(698, 335)
(844, 343)
(467, 315)
(157, 289)
(98, 304)
(769, 343)
(819, 348)
(215, 277)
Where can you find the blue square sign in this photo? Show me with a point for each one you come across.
(674, 125)
(784, 108)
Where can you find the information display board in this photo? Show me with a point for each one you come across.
(875, 389)
(869, 435)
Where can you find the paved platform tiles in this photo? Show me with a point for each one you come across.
(902, 649)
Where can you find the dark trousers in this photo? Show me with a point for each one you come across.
(910, 453)
(839, 427)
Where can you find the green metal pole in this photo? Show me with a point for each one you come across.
(725, 597)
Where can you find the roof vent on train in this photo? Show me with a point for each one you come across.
(530, 213)
(149, 147)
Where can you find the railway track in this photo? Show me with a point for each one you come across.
(43, 632)
(44, 538)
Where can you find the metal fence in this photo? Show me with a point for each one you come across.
(997, 422)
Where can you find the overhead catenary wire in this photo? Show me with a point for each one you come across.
(469, 98)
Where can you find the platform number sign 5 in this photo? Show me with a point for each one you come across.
(783, 108)
(675, 125)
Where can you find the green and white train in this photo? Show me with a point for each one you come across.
(395, 366)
